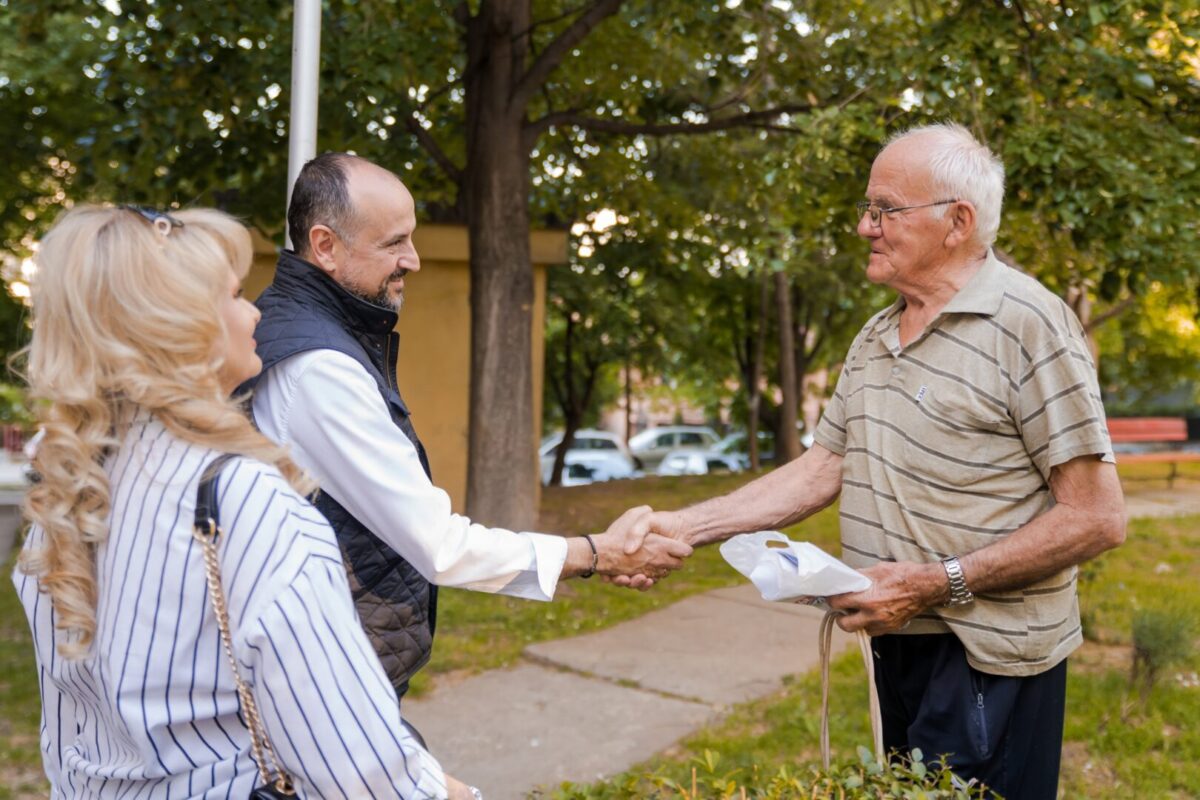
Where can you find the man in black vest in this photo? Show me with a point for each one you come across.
(328, 390)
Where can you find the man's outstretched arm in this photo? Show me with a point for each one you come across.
(778, 499)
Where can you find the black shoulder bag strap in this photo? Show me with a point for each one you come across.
(206, 493)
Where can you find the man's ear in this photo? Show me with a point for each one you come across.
(962, 231)
(322, 246)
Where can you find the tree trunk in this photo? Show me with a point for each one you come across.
(502, 469)
(628, 397)
(570, 427)
(565, 394)
(1081, 303)
(787, 439)
(756, 369)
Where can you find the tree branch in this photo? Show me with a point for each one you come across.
(557, 50)
(1116, 311)
(752, 119)
(548, 21)
(426, 140)
(439, 92)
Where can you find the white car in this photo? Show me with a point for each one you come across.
(594, 456)
(699, 462)
(652, 446)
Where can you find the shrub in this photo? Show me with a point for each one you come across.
(1161, 637)
(902, 779)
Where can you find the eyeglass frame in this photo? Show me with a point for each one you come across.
(163, 222)
(865, 206)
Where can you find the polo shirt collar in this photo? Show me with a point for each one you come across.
(984, 293)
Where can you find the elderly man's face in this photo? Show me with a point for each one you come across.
(380, 251)
(905, 242)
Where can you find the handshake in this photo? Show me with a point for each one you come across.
(642, 546)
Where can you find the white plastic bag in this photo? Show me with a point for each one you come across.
(788, 573)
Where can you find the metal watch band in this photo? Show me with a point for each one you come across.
(475, 793)
(960, 595)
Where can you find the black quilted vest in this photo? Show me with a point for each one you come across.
(304, 309)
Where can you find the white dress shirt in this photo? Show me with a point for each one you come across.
(152, 711)
(327, 409)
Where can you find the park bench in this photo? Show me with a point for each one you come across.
(1165, 434)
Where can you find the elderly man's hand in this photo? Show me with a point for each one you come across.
(664, 523)
(899, 591)
(639, 526)
(653, 561)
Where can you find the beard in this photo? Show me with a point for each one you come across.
(382, 297)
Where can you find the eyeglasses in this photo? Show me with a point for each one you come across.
(163, 222)
(876, 211)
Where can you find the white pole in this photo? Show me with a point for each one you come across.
(306, 64)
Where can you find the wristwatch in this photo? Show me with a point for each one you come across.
(475, 793)
(960, 595)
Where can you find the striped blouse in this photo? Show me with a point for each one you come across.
(152, 711)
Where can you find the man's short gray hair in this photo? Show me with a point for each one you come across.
(963, 169)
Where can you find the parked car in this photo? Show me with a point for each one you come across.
(652, 445)
(698, 462)
(735, 444)
(593, 456)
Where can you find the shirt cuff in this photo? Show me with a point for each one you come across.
(550, 553)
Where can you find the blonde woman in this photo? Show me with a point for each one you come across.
(140, 335)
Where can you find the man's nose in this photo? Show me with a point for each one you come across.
(412, 261)
(866, 228)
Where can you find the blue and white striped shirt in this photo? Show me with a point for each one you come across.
(152, 712)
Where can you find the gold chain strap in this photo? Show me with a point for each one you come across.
(258, 737)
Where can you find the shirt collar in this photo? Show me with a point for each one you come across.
(984, 293)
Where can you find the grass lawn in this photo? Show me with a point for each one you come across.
(20, 710)
(1138, 476)
(1115, 747)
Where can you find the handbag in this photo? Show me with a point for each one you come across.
(276, 783)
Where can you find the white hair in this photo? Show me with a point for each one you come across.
(964, 169)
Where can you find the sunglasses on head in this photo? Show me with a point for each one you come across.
(163, 222)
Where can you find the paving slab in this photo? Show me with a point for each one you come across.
(514, 730)
(1183, 500)
(720, 648)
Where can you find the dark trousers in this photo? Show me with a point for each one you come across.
(1005, 732)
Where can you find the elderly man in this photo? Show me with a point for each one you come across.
(328, 390)
(968, 443)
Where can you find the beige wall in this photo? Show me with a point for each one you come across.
(434, 367)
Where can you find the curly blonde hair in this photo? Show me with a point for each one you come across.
(125, 319)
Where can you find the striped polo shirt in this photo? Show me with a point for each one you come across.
(948, 445)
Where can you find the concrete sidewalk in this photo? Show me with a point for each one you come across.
(584, 708)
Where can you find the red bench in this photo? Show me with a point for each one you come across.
(1152, 430)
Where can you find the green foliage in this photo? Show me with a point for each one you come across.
(1162, 637)
(863, 779)
(1151, 362)
(1093, 112)
(14, 406)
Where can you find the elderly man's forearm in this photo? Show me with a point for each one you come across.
(780, 498)
(1062, 537)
